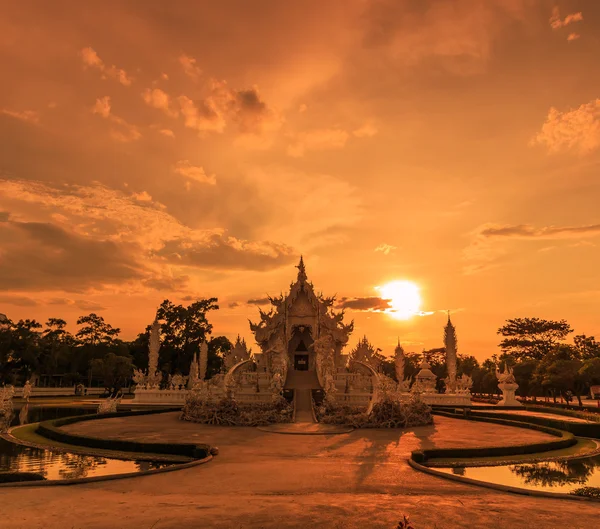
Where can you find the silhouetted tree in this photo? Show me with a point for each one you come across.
(532, 337)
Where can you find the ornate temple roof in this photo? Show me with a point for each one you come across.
(302, 292)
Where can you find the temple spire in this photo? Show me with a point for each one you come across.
(301, 271)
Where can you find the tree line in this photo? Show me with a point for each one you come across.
(95, 352)
(543, 362)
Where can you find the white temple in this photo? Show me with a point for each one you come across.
(302, 340)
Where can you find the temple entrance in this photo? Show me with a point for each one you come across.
(301, 362)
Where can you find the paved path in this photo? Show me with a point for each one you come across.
(304, 412)
(263, 480)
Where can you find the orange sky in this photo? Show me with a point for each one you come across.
(155, 150)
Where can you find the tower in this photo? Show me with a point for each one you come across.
(451, 345)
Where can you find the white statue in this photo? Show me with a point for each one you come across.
(508, 385)
(109, 405)
(27, 389)
(463, 385)
(193, 378)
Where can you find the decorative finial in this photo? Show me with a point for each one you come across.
(301, 271)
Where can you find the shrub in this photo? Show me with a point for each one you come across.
(228, 412)
(588, 492)
(387, 413)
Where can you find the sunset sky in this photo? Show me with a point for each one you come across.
(154, 149)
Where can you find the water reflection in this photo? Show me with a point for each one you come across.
(551, 476)
(65, 465)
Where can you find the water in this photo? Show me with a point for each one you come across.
(551, 476)
(55, 465)
(43, 413)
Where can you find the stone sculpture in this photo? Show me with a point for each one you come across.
(109, 405)
(508, 385)
(194, 370)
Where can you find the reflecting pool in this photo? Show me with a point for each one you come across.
(551, 476)
(65, 465)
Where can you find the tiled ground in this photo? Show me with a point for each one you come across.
(267, 480)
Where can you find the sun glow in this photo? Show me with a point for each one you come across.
(404, 299)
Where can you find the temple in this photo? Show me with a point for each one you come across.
(296, 320)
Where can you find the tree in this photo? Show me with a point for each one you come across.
(25, 348)
(532, 337)
(183, 330)
(466, 365)
(95, 330)
(115, 370)
(217, 347)
(56, 347)
(587, 346)
(560, 372)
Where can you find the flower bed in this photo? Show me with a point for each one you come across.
(387, 413)
(228, 412)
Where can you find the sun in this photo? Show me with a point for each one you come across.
(404, 299)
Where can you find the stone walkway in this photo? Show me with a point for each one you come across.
(263, 480)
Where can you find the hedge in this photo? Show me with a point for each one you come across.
(576, 428)
(51, 430)
(13, 477)
(566, 440)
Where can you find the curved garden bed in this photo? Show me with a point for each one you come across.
(564, 440)
(52, 430)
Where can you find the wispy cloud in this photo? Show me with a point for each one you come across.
(557, 22)
(91, 60)
(124, 132)
(195, 173)
(30, 116)
(159, 99)
(486, 247)
(385, 249)
(190, 67)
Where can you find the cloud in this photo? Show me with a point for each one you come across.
(386, 249)
(190, 67)
(222, 252)
(367, 304)
(574, 130)
(197, 174)
(167, 132)
(157, 98)
(142, 197)
(89, 305)
(43, 256)
(233, 304)
(368, 130)
(486, 247)
(454, 36)
(91, 60)
(556, 22)
(223, 106)
(102, 107)
(29, 116)
(318, 140)
(19, 301)
(306, 209)
(525, 231)
(573, 36)
(124, 132)
(259, 301)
